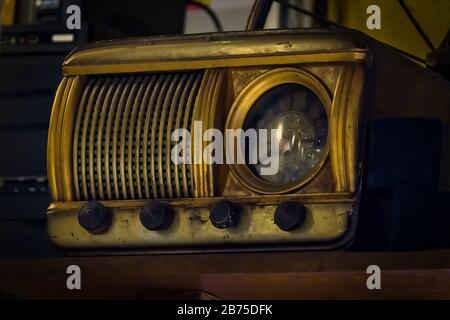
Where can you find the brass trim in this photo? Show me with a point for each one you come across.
(186, 123)
(57, 142)
(196, 153)
(206, 110)
(213, 45)
(51, 147)
(222, 62)
(345, 126)
(217, 112)
(67, 135)
(273, 199)
(242, 105)
(353, 123)
(337, 132)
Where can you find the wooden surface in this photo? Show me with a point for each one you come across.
(318, 275)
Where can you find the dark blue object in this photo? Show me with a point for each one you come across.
(402, 205)
(404, 152)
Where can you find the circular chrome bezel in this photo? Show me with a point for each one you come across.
(244, 102)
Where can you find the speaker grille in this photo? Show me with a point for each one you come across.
(122, 136)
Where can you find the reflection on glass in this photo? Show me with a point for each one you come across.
(302, 122)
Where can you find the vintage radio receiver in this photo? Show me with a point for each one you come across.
(115, 185)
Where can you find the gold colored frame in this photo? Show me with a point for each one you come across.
(209, 95)
(59, 149)
(244, 102)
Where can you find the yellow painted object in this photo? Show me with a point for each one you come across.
(7, 12)
(396, 29)
(205, 2)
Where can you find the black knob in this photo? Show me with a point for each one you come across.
(156, 216)
(223, 215)
(94, 217)
(289, 215)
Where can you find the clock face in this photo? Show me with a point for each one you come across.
(301, 122)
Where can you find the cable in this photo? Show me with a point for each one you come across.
(311, 14)
(417, 25)
(210, 12)
(407, 54)
(338, 25)
(258, 14)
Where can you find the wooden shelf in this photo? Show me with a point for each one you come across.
(311, 275)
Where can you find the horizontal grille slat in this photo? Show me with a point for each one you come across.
(122, 136)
